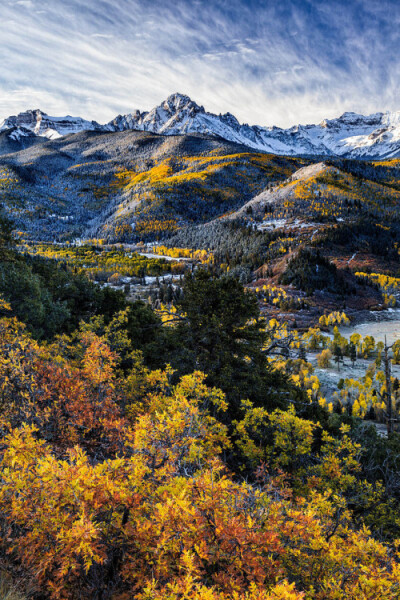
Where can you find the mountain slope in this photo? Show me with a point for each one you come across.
(346, 212)
(130, 185)
(326, 192)
(351, 135)
(348, 209)
(18, 138)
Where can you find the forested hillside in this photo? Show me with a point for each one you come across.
(174, 419)
(182, 453)
(130, 186)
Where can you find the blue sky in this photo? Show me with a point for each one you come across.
(268, 62)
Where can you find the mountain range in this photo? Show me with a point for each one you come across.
(351, 135)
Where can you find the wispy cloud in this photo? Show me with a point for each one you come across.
(26, 3)
(101, 35)
(266, 62)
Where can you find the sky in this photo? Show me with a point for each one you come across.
(279, 62)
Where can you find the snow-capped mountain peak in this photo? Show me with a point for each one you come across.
(351, 135)
(43, 125)
(178, 102)
(352, 119)
(174, 115)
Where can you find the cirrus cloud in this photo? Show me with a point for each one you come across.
(266, 62)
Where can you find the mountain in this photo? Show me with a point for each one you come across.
(42, 124)
(349, 210)
(129, 185)
(251, 207)
(351, 135)
(180, 115)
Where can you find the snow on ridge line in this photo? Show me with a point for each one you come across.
(351, 134)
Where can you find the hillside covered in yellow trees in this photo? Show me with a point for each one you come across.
(128, 473)
(130, 185)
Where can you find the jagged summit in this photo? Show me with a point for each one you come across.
(180, 102)
(51, 127)
(352, 119)
(350, 135)
(175, 115)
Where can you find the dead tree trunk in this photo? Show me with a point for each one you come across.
(389, 410)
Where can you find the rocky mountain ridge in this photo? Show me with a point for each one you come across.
(351, 135)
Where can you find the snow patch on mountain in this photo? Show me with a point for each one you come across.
(18, 133)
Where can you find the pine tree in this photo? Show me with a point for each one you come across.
(353, 354)
(302, 353)
(338, 355)
(223, 335)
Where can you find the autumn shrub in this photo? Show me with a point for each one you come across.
(115, 485)
(324, 359)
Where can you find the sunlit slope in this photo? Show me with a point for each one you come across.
(131, 185)
(326, 193)
(192, 189)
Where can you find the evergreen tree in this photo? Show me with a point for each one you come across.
(338, 355)
(353, 354)
(302, 353)
(7, 242)
(223, 336)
